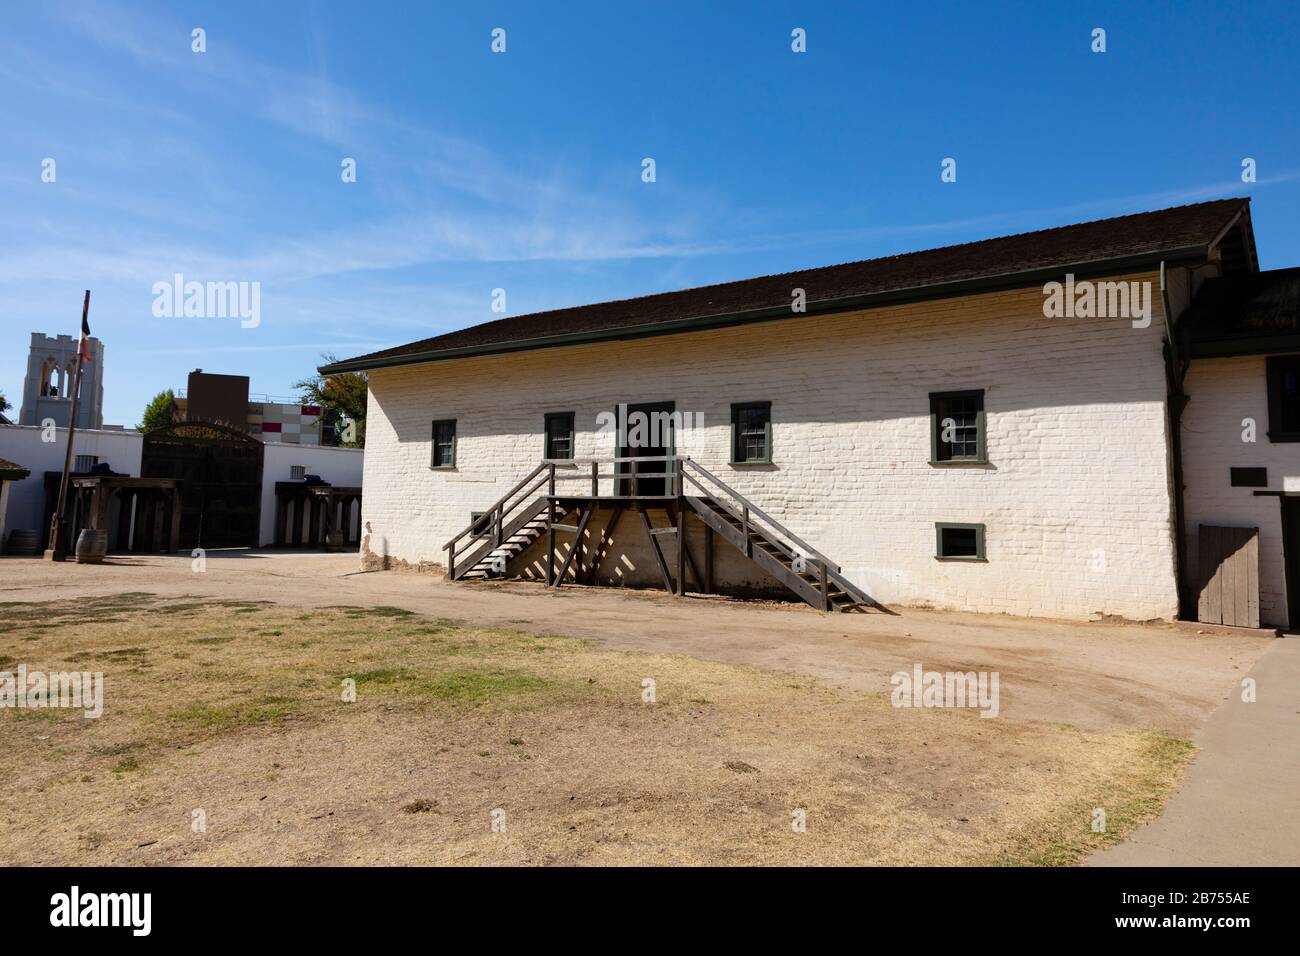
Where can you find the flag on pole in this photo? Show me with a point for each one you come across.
(83, 347)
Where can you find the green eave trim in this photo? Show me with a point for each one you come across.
(873, 300)
(1246, 345)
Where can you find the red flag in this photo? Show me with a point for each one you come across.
(83, 347)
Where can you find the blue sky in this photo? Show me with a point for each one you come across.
(522, 170)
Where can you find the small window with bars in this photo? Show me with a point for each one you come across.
(957, 428)
(444, 444)
(559, 435)
(84, 462)
(751, 433)
(297, 472)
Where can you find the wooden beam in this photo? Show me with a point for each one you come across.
(573, 549)
(708, 559)
(604, 542)
(654, 546)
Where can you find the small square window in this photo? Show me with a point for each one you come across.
(959, 542)
(444, 444)
(751, 433)
(84, 463)
(480, 524)
(1248, 477)
(297, 472)
(559, 435)
(957, 428)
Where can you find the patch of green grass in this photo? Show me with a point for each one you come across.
(118, 654)
(1134, 798)
(213, 640)
(179, 608)
(476, 687)
(383, 610)
(6, 660)
(233, 716)
(116, 750)
(387, 675)
(126, 765)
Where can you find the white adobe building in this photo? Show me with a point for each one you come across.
(928, 430)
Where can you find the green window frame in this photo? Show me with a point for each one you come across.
(751, 433)
(443, 438)
(954, 541)
(479, 527)
(1283, 373)
(558, 436)
(966, 410)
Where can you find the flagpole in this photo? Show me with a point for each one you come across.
(55, 551)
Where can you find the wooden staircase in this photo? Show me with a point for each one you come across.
(533, 508)
(493, 557)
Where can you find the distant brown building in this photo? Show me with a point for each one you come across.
(224, 399)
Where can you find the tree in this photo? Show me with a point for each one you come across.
(342, 398)
(4, 403)
(158, 412)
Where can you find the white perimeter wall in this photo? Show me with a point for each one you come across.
(1223, 392)
(1076, 495)
(338, 466)
(22, 445)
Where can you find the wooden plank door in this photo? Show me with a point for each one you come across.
(1229, 576)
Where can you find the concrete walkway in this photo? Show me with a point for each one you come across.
(1239, 804)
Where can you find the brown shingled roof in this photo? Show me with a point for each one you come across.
(11, 472)
(1101, 246)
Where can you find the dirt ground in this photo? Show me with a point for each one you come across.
(1100, 676)
(223, 697)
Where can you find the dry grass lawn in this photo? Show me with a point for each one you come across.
(235, 709)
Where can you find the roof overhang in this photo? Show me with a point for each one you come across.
(875, 300)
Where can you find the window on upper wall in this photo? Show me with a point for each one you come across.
(1283, 398)
(559, 435)
(444, 444)
(957, 428)
(84, 463)
(297, 472)
(751, 433)
(959, 542)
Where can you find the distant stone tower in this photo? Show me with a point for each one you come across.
(51, 370)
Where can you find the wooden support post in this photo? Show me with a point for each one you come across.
(159, 525)
(826, 593)
(595, 479)
(654, 546)
(605, 542)
(174, 539)
(708, 559)
(681, 547)
(550, 537)
(573, 550)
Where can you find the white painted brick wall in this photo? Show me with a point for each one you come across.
(1223, 392)
(1077, 442)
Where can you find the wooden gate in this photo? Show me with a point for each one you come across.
(1229, 576)
(221, 471)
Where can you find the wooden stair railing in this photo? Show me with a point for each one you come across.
(493, 520)
(770, 544)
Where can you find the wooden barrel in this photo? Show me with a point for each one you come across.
(23, 541)
(92, 546)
